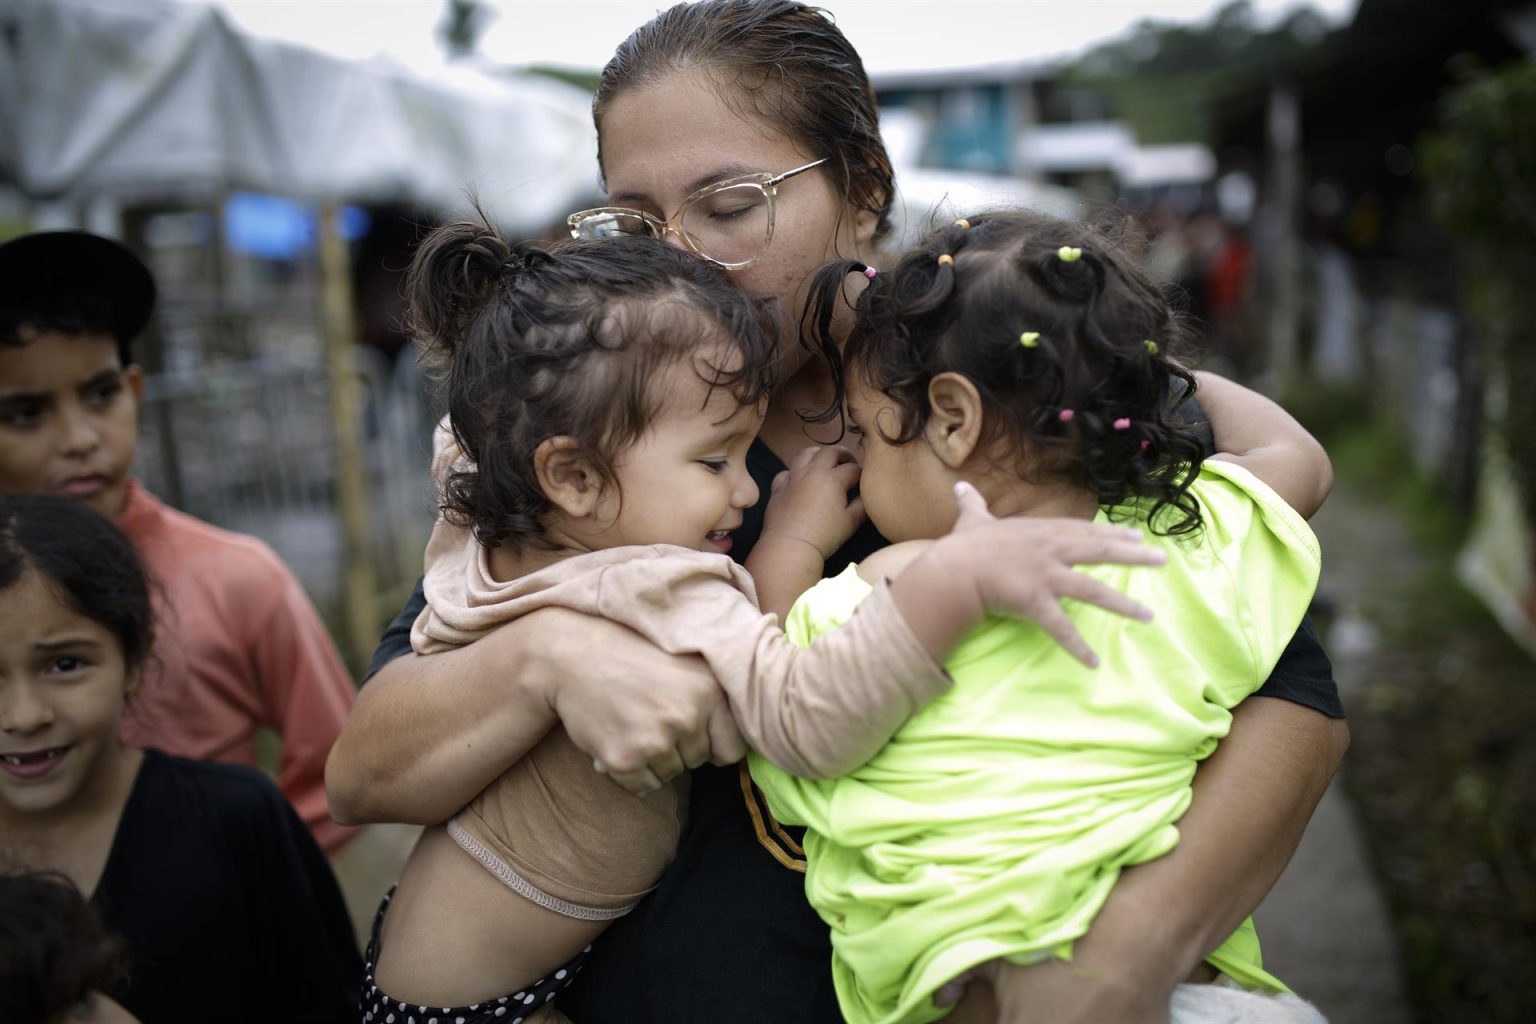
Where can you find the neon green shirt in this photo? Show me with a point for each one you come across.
(997, 820)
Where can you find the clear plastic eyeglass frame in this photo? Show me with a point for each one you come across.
(591, 223)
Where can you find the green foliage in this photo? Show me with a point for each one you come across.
(1163, 77)
(1480, 167)
(463, 22)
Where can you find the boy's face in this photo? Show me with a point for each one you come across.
(68, 418)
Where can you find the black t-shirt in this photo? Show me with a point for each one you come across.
(728, 934)
(229, 908)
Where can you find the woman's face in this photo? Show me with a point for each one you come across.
(664, 141)
(63, 684)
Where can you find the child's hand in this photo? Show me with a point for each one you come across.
(809, 501)
(1025, 567)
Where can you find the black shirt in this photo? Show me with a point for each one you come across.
(728, 934)
(228, 906)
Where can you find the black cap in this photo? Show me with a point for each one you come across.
(53, 273)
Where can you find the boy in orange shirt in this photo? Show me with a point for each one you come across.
(239, 643)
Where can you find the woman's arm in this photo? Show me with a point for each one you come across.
(1253, 798)
(429, 732)
(1258, 435)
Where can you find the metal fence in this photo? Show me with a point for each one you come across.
(248, 445)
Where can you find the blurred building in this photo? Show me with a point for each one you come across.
(276, 192)
(1030, 122)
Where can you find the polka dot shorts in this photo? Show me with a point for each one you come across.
(378, 1008)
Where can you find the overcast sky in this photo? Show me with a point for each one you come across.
(891, 35)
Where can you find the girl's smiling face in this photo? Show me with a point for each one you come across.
(63, 684)
(685, 480)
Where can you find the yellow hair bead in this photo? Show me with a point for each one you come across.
(1030, 339)
(946, 260)
(962, 223)
(1151, 347)
(1069, 254)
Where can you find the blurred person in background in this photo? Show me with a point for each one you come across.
(227, 905)
(699, 115)
(250, 649)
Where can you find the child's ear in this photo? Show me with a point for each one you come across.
(567, 477)
(131, 684)
(133, 379)
(954, 421)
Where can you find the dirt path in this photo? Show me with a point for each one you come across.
(1325, 927)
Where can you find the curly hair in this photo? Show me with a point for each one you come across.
(530, 343)
(1068, 343)
(781, 61)
(54, 951)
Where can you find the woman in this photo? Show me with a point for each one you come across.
(705, 94)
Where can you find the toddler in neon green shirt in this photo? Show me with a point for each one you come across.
(1029, 359)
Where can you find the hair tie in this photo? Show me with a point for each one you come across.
(1069, 254)
(962, 223)
(946, 260)
(1065, 415)
(1030, 339)
(870, 272)
(1123, 423)
(1151, 347)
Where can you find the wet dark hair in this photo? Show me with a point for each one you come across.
(532, 343)
(54, 951)
(1094, 316)
(789, 64)
(87, 560)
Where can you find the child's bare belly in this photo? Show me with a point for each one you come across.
(454, 934)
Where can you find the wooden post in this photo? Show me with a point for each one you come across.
(1284, 134)
(360, 620)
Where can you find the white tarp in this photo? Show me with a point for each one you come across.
(148, 99)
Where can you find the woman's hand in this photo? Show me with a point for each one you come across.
(644, 715)
(1025, 567)
(429, 732)
(809, 501)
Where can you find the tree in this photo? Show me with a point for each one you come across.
(463, 23)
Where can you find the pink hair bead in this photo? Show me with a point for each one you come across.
(1066, 415)
(1123, 423)
(1145, 444)
(870, 272)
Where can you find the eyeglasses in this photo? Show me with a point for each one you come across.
(729, 223)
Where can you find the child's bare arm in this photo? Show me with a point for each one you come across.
(809, 517)
(1263, 438)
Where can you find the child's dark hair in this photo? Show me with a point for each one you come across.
(60, 311)
(54, 951)
(537, 343)
(87, 560)
(1064, 337)
(74, 283)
